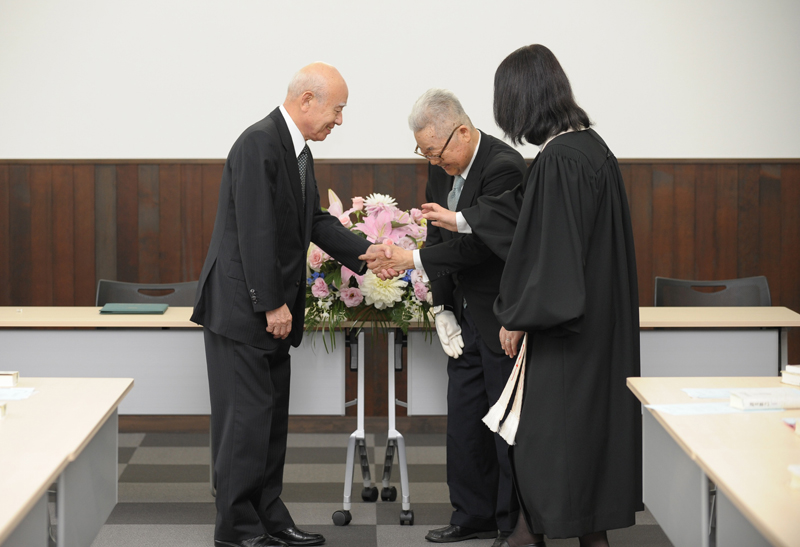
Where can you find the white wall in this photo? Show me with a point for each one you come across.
(155, 79)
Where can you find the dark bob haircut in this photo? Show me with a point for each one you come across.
(532, 97)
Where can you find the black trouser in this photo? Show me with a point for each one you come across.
(478, 469)
(249, 390)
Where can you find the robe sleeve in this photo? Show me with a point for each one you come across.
(543, 284)
(494, 218)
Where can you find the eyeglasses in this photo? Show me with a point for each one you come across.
(439, 155)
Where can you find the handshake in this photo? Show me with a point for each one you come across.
(387, 260)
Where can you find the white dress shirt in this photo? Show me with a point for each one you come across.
(297, 137)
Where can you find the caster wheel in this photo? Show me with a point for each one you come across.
(342, 518)
(407, 517)
(370, 494)
(389, 494)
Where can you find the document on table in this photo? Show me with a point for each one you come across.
(15, 393)
(697, 409)
(707, 393)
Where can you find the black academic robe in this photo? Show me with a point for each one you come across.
(570, 282)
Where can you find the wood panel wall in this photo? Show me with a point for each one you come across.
(66, 224)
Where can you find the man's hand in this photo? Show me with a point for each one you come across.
(380, 259)
(388, 261)
(449, 332)
(510, 340)
(441, 217)
(279, 322)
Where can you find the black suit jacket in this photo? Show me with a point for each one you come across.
(256, 260)
(460, 266)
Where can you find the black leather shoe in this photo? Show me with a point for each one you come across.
(296, 536)
(454, 532)
(500, 539)
(261, 541)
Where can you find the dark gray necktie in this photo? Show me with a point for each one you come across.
(302, 165)
(455, 193)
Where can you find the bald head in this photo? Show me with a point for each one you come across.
(315, 99)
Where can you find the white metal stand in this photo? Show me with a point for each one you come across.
(394, 443)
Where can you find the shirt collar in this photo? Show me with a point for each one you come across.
(297, 137)
(465, 173)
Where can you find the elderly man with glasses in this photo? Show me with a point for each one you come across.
(465, 163)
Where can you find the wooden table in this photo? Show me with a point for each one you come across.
(674, 342)
(164, 353)
(734, 341)
(66, 432)
(745, 454)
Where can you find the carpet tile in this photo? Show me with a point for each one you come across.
(165, 499)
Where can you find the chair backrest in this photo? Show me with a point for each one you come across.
(747, 291)
(119, 292)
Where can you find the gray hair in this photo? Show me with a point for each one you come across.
(439, 108)
(306, 80)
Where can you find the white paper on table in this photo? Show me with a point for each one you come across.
(698, 409)
(707, 393)
(15, 393)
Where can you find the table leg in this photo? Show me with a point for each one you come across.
(87, 489)
(784, 349)
(395, 438)
(33, 530)
(733, 528)
(675, 488)
(356, 441)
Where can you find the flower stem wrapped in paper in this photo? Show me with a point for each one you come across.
(335, 294)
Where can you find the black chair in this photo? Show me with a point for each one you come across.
(747, 291)
(119, 292)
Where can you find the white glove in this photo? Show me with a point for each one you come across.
(449, 332)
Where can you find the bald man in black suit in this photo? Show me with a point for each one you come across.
(251, 301)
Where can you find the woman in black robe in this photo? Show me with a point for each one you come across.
(570, 283)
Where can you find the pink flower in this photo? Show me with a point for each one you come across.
(416, 215)
(347, 273)
(416, 277)
(406, 243)
(420, 291)
(400, 216)
(337, 209)
(315, 258)
(351, 297)
(320, 288)
(358, 203)
(376, 227)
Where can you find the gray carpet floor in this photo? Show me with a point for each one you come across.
(165, 499)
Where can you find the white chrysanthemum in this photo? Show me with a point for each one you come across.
(382, 294)
(379, 202)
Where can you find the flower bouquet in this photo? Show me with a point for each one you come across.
(335, 294)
